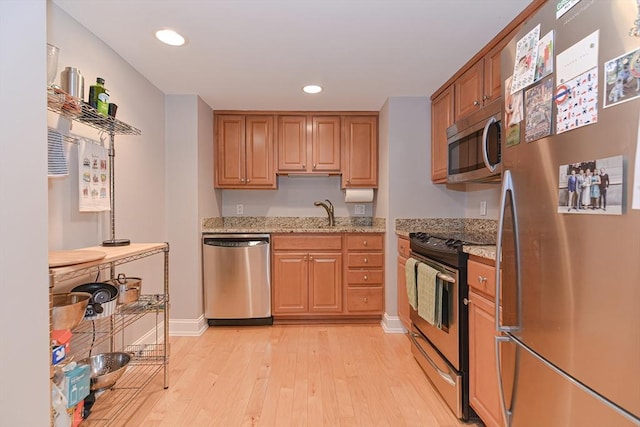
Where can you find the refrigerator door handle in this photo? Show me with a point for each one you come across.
(506, 412)
(507, 194)
(485, 154)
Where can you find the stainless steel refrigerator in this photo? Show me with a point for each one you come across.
(568, 335)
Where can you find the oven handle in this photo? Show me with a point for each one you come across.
(445, 278)
(445, 376)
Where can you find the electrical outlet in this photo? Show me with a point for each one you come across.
(239, 209)
(483, 208)
(359, 210)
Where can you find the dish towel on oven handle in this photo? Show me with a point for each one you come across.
(410, 274)
(427, 294)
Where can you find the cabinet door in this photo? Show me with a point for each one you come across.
(403, 299)
(290, 283)
(492, 80)
(230, 152)
(292, 143)
(468, 91)
(484, 395)
(326, 144)
(441, 118)
(360, 148)
(259, 152)
(325, 282)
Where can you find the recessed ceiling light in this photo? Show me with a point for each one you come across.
(170, 37)
(312, 89)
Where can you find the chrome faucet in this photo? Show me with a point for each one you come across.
(329, 208)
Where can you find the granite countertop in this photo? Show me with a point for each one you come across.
(482, 230)
(293, 225)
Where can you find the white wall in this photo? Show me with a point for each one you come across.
(24, 306)
(190, 196)
(477, 193)
(410, 193)
(294, 197)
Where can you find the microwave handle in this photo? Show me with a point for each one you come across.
(485, 155)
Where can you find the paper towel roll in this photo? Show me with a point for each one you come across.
(358, 195)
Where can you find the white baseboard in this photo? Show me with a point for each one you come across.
(392, 324)
(150, 336)
(188, 327)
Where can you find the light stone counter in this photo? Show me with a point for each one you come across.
(488, 252)
(293, 225)
(479, 229)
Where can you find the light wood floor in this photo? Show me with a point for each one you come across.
(314, 375)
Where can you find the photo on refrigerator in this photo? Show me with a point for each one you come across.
(592, 187)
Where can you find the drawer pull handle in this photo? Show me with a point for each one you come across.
(366, 299)
(482, 280)
(366, 277)
(366, 260)
(365, 243)
(304, 166)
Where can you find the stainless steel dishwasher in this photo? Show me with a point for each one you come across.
(237, 279)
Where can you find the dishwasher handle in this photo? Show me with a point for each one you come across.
(236, 242)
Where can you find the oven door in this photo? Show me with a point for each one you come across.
(446, 340)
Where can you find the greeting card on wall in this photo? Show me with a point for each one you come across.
(526, 58)
(93, 171)
(577, 102)
(538, 110)
(513, 112)
(578, 59)
(544, 65)
(622, 79)
(563, 7)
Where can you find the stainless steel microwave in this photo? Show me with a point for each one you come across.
(474, 146)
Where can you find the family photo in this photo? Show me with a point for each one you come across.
(592, 187)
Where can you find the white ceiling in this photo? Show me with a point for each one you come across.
(257, 54)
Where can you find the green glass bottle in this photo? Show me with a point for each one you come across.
(99, 97)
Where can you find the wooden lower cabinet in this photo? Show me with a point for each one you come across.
(308, 274)
(365, 273)
(307, 282)
(484, 395)
(403, 299)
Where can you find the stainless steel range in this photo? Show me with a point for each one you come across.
(442, 348)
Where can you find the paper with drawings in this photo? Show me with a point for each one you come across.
(578, 59)
(577, 102)
(526, 58)
(93, 177)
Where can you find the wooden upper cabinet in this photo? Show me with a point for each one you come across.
(360, 151)
(230, 150)
(468, 90)
(442, 116)
(292, 143)
(244, 152)
(325, 144)
(492, 85)
(308, 144)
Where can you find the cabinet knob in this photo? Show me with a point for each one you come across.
(364, 243)
(402, 247)
(466, 301)
(304, 258)
(366, 277)
(476, 103)
(348, 180)
(310, 258)
(366, 260)
(482, 280)
(314, 165)
(485, 97)
(304, 166)
(366, 299)
(242, 180)
(248, 180)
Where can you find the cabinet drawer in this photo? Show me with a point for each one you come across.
(296, 242)
(364, 277)
(364, 242)
(404, 249)
(365, 299)
(482, 277)
(365, 260)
